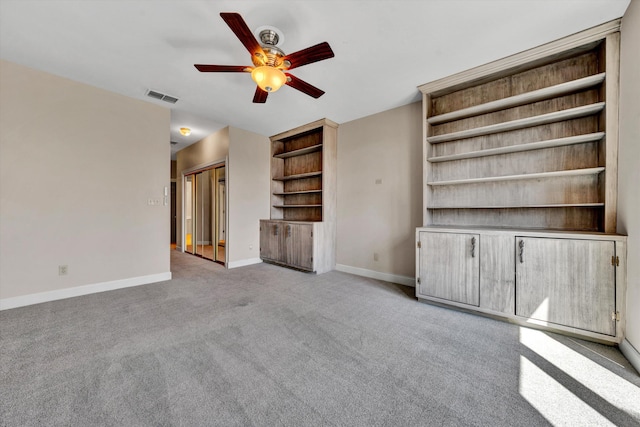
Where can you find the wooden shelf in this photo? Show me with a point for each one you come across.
(517, 100)
(550, 143)
(556, 116)
(557, 205)
(297, 206)
(572, 172)
(300, 152)
(298, 176)
(288, 193)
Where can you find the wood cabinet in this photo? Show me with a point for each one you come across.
(287, 243)
(567, 282)
(298, 245)
(449, 267)
(303, 195)
(270, 240)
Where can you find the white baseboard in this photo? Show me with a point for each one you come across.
(21, 301)
(244, 262)
(387, 277)
(630, 352)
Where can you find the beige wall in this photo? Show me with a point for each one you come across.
(248, 183)
(380, 218)
(629, 163)
(78, 165)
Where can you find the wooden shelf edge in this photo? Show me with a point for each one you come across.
(296, 206)
(298, 176)
(297, 192)
(522, 99)
(571, 172)
(550, 143)
(557, 116)
(541, 206)
(299, 152)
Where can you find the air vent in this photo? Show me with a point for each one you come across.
(161, 96)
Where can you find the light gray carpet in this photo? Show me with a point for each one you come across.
(266, 346)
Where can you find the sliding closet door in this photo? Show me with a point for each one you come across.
(205, 216)
(189, 205)
(204, 240)
(219, 222)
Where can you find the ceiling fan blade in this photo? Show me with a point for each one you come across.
(260, 97)
(205, 68)
(303, 86)
(242, 31)
(309, 55)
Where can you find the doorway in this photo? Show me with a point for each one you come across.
(205, 213)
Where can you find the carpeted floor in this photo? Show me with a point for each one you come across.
(267, 346)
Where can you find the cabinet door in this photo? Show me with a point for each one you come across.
(450, 267)
(567, 282)
(270, 236)
(497, 273)
(298, 240)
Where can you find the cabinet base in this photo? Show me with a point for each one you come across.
(522, 321)
(292, 267)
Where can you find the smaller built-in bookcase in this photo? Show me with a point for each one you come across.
(296, 168)
(303, 190)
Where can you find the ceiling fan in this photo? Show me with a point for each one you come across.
(270, 62)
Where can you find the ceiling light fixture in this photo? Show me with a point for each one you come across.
(185, 131)
(268, 78)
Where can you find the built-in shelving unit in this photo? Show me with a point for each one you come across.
(520, 189)
(529, 141)
(303, 198)
(302, 172)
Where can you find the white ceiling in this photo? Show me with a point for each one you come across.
(383, 50)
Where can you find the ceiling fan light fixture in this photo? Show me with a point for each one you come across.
(185, 131)
(268, 78)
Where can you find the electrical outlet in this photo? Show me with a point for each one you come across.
(376, 257)
(63, 270)
(379, 181)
